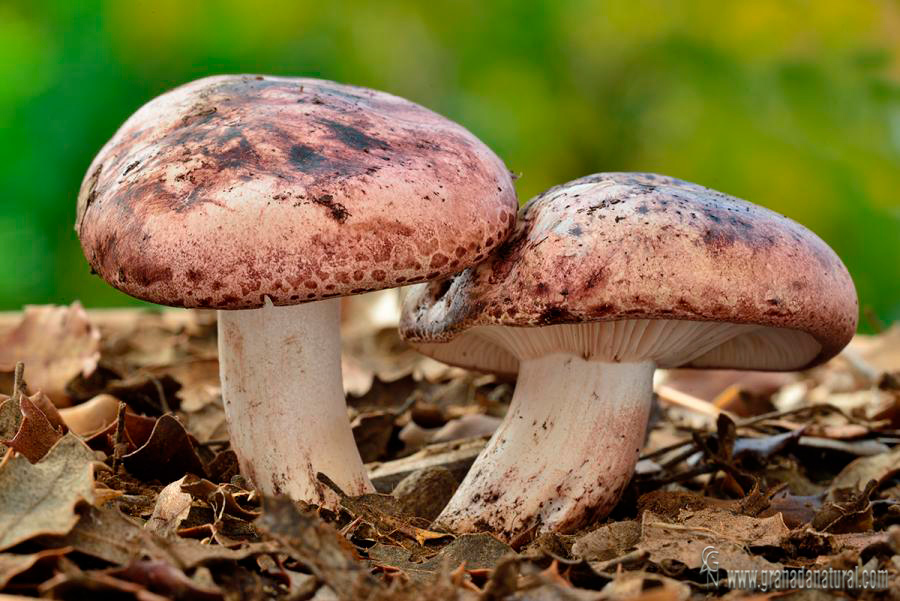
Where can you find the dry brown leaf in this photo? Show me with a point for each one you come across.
(172, 507)
(40, 499)
(106, 534)
(645, 586)
(476, 551)
(93, 415)
(36, 435)
(12, 564)
(56, 344)
(165, 579)
(167, 455)
(318, 545)
(608, 541)
(860, 471)
(730, 534)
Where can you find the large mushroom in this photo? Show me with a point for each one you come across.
(267, 198)
(605, 279)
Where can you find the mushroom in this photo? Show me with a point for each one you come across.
(605, 279)
(268, 198)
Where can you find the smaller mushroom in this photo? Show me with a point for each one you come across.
(605, 279)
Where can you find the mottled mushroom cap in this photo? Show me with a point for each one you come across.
(233, 188)
(638, 246)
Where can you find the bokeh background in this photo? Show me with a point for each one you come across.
(792, 104)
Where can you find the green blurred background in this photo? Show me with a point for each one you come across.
(794, 105)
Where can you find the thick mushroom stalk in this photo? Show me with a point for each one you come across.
(563, 454)
(281, 384)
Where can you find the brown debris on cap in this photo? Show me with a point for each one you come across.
(233, 188)
(615, 246)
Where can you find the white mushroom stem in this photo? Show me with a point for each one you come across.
(564, 452)
(281, 383)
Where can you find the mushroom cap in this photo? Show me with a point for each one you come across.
(639, 246)
(230, 189)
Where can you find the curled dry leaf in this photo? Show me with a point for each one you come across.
(12, 564)
(318, 545)
(137, 432)
(167, 455)
(41, 498)
(91, 416)
(165, 579)
(36, 435)
(172, 506)
(56, 344)
(876, 467)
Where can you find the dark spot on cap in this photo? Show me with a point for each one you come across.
(305, 158)
(352, 137)
(338, 211)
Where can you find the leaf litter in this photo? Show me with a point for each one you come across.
(130, 489)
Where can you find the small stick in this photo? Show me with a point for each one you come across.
(332, 485)
(160, 391)
(6, 457)
(19, 381)
(119, 444)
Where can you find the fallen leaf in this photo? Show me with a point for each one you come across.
(165, 579)
(172, 506)
(36, 435)
(41, 498)
(372, 432)
(476, 551)
(760, 449)
(107, 534)
(56, 344)
(12, 564)
(92, 415)
(608, 541)
(168, 454)
(859, 471)
(137, 432)
(319, 546)
(729, 533)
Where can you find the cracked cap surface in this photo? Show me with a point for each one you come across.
(233, 188)
(616, 246)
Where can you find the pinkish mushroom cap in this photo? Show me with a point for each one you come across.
(605, 279)
(231, 189)
(257, 195)
(630, 246)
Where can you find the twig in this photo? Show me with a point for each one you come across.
(119, 445)
(161, 392)
(19, 381)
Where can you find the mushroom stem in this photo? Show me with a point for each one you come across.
(281, 383)
(564, 452)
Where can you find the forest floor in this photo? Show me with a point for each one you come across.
(118, 481)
